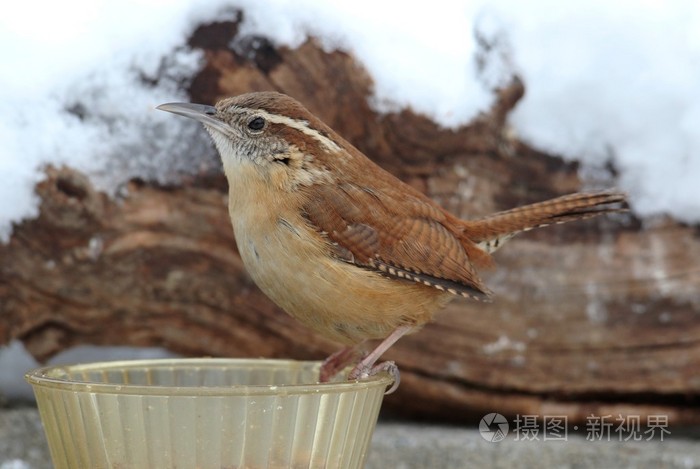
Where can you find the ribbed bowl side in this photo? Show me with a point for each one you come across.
(316, 426)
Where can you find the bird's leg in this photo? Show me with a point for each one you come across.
(337, 362)
(367, 366)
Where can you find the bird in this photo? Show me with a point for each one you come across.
(342, 245)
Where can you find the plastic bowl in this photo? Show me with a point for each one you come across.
(205, 413)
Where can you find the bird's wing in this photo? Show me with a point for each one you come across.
(401, 234)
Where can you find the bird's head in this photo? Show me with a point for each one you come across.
(268, 132)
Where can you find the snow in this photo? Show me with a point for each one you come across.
(606, 81)
(618, 80)
(422, 59)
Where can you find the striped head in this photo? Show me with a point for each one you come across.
(271, 131)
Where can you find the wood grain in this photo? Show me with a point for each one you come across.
(601, 316)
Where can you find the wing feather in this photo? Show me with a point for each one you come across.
(404, 238)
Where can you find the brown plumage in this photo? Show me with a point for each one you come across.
(341, 244)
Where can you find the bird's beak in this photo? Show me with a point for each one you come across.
(199, 112)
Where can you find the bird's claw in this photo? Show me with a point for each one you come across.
(362, 371)
(338, 361)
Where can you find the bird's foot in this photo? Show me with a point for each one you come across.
(338, 361)
(363, 370)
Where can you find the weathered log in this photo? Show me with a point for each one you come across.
(594, 317)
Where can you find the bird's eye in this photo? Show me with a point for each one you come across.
(257, 123)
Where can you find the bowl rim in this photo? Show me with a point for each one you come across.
(41, 378)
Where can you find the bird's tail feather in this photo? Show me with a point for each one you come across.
(489, 233)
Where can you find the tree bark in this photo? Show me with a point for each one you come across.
(598, 317)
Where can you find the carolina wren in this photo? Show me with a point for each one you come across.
(342, 245)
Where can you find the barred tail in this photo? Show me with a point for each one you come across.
(489, 233)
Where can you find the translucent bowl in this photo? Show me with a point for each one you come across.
(205, 413)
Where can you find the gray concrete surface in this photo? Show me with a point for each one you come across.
(417, 446)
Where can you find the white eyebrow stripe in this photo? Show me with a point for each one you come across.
(301, 126)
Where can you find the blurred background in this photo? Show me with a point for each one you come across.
(116, 241)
